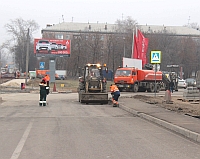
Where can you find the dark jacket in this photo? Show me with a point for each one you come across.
(44, 89)
(171, 84)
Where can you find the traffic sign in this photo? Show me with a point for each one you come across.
(155, 57)
(42, 64)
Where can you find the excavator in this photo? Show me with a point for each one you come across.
(92, 84)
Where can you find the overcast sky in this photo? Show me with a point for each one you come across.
(150, 12)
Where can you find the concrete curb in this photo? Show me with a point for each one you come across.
(64, 92)
(182, 131)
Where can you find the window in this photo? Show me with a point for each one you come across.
(59, 36)
(123, 73)
(67, 37)
(134, 73)
(43, 41)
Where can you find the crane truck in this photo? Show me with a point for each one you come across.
(92, 84)
(133, 79)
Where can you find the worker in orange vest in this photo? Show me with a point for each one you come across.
(43, 92)
(115, 94)
(47, 79)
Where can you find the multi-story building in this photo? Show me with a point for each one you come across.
(66, 30)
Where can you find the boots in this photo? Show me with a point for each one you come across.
(44, 103)
(40, 103)
(115, 103)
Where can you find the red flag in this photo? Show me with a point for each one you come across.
(140, 48)
(143, 46)
(135, 50)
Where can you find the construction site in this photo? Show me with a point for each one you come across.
(184, 101)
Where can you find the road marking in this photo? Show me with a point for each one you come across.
(22, 141)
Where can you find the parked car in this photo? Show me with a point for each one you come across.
(43, 45)
(60, 46)
(54, 46)
(191, 82)
(64, 47)
(182, 83)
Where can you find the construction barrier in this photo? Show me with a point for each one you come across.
(22, 86)
(54, 87)
(168, 96)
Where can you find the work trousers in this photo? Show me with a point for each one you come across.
(43, 96)
(115, 96)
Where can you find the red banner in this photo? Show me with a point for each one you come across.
(135, 50)
(143, 46)
(140, 48)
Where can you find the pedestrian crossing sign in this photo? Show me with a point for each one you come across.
(155, 57)
(42, 65)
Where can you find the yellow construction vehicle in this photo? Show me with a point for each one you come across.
(92, 84)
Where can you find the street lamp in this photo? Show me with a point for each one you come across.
(124, 47)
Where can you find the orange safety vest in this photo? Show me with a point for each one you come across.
(47, 78)
(114, 88)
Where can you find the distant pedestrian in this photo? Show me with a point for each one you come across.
(171, 86)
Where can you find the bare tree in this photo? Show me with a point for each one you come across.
(18, 30)
(194, 25)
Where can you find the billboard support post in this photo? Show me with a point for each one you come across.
(52, 69)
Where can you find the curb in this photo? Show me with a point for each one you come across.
(64, 92)
(177, 129)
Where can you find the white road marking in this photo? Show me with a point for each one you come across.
(21, 143)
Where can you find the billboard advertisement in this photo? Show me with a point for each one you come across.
(52, 47)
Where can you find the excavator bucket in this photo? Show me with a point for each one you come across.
(101, 98)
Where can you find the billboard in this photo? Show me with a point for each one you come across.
(52, 47)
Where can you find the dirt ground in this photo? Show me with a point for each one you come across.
(191, 108)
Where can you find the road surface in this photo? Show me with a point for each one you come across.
(67, 129)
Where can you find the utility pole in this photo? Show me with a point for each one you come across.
(124, 47)
(27, 56)
(189, 21)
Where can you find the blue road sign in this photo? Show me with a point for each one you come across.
(155, 57)
(42, 65)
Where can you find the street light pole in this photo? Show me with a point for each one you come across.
(27, 56)
(124, 47)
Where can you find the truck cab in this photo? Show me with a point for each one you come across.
(125, 78)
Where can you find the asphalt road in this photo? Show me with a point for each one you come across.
(66, 129)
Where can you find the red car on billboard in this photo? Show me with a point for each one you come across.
(57, 47)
